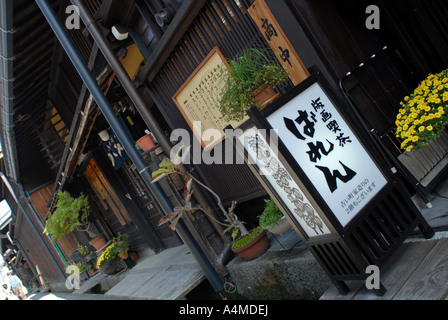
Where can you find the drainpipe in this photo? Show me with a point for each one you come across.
(126, 140)
(137, 99)
(139, 103)
(7, 114)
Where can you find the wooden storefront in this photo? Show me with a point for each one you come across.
(228, 26)
(330, 35)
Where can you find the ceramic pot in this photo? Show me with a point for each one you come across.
(264, 95)
(255, 248)
(146, 142)
(123, 255)
(280, 227)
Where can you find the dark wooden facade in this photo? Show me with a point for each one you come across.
(50, 95)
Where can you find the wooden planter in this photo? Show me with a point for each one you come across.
(255, 248)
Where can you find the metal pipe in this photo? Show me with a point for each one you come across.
(7, 57)
(126, 140)
(134, 95)
(121, 74)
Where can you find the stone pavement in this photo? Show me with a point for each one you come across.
(174, 272)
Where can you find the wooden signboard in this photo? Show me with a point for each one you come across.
(328, 151)
(199, 96)
(344, 203)
(277, 40)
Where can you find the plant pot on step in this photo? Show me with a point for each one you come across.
(254, 248)
(280, 227)
(98, 242)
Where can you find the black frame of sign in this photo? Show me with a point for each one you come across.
(370, 237)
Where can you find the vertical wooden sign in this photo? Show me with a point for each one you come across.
(274, 35)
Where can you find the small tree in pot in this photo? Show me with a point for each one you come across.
(239, 233)
(70, 214)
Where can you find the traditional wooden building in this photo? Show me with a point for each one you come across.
(51, 123)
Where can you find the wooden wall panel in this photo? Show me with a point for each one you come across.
(40, 199)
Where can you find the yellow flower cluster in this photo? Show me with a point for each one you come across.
(423, 114)
(118, 245)
(109, 254)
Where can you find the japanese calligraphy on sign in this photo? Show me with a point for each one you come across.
(277, 40)
(198, 97)
(328, 151)
(280, 180)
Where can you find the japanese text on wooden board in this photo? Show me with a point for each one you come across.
(198, 98)
(277, 40)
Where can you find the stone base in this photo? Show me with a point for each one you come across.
(286, 271)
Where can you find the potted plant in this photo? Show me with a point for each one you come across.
(122, 245)
(83, 250)
(70, 214)
(232, 223)
(147, 141)
(424, 114)
(250, 73)
(251, 245)
(273, 219)
(109, 262)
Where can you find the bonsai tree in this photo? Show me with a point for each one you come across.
(252, 69)
(168, 167)
(70, 214)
